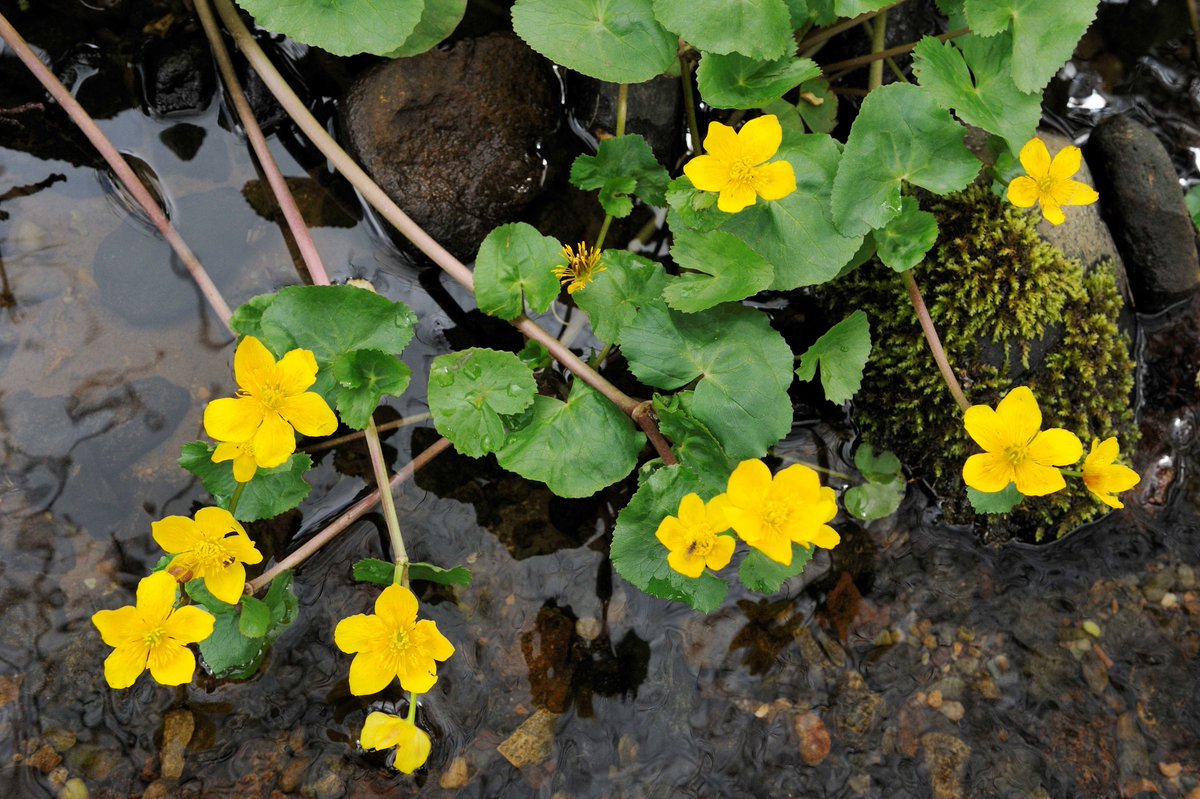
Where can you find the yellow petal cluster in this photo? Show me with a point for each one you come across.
(392, 644)
(771, 513)
(693, 537)
(385, 731)
(735, 164)
(1105, 478)
(213, 547)
(583, 264)
(1017, 450)
(273, 404)
(1048, 183)
(152, 634)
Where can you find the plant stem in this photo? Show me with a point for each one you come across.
(935, 343)
(1071, 472)
(343, 522)
(830, 472)
(412, 708)
(878, 40)
(603, 231)
(118, 165)
(416, 418)
(839, 68)
(689, 101)
(283, 195)
(399, 553)
(598, 359)
(818, 36)
(1194, 15)
(643, 414)
(622, 108)
(237, 494)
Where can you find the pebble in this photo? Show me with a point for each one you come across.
(935, 699)
(1091, 628)
(178, 726)
(1169, 600)
(44, 759)
(1170, 770)
(329, 786)
(814, 738)
(588, 628)
(531, 743)
(946, 758)
(456, 774)
(1185, 575)
(953, 710)
(74, 789)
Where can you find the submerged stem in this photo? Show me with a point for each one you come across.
(935, 343)
(399, 553)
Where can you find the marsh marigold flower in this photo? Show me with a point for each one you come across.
(1103, 477)
(1017, 448)
(1048, 183)
(273, 398)
(736, 165)
(213, 548)
(392, 643)
(693, 537)
(771, 513)
(581, 267)
(242, 455)
(385, 731)
(152, 634)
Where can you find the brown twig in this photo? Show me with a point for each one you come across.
(643, 414)
(819, 36)
(839, 68)
(330, 443)
(935, 343)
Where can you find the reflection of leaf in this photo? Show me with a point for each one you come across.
(872, 501)
(999, 502)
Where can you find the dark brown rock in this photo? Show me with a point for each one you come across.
(1144, 207)
(452, 136)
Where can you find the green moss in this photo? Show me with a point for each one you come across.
(1011, 310)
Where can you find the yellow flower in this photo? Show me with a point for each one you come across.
(736, 164)
(273, 399)
(384, 731)
(1104, 478)
(242, 455)
(1017, 449)
(152, 634)
(212, 548)
(1049, 183)
(392, 643)
(692, 537)
(770, 514)
(580, 267)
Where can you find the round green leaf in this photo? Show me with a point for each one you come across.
(513, 268)
(618, 41)
(757, 28)
(438, 20)
(469, 392)
(842, 353)
(342, 27)
(735, 81)
(613, 298)
(872, 501)
(903, 242)
(723, 269)
(1043, 34)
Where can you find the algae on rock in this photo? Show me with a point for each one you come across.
(1011, 310)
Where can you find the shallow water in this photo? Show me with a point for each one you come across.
(915, 662)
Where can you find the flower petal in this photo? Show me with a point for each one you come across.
(749, 485)
(1105, 451)
(416, 671)
(171, 663)
(672, 534)
(987, 472)
(242, 548)
(1052, 212)
(1035, 480)
(216, 523)
(309, 414)
(382, 731)
(825, 537)
(126, 664)
(707, 173)
(175, 534)
(1108, 500)
(1023, 192)
(1035, 158)
(189, 625)
(396, 607)
(274, 442)
(986, 427)
(1055, 447)
(156, 597)
(692, 512)
(233, 418)
(775, 180)
(253, 366)
(296, 371)
(358, 632)
(412, 751)
(429, 639)
(759, 139)
(722, 143)
(715, 508)
(119, 627)
(686, 562)
(227, 451)
(227, 584)
(371, 671)
(735, 197)
(244, 467)
(1082, 194)
(1066, 163)
(747, 524)
(721, 553)
(776, 547)
(798, 483)
(1020, 414)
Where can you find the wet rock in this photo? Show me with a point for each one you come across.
(316, 204)
(293, 773)
(74, 789)
(1144, 207)
(946, 758)
(44, 759)
(10, 688)
(453, 135)
(814, 738)
(1133, 758)
(653, 111)
(953, 710)
(531, 743)
(547, 651)
(858, 711)
(177, 75)
(456, 774)
(329, 786)
(178, 726)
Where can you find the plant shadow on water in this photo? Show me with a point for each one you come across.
(915, 662)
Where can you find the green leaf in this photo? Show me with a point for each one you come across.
(744, 365)
(381, 572)
(901, 134)
(255, 618)
(799, 12)
(852, 8)
(438, 20)
(1192, 199)
(618, 41)
(639, 557)
(230, 655)
(514, 268)
(364, 377)
(999, 502)
(692, 442)
(735, 81)
(575, 447)
(842, 353)
(614, 296)
(796, 234)
(756, 28)
(270, 493)
(903, 242)
(1043, 34)
(247, 317)
(822, 12)
(883, 467)
(621, 166)
(724, 269)
(760, 573)
(374, 571)
(284, 606)
(534, 355)
(691, 207)
(342, 27)
(818, 105)
(973, 75)
(872, 501)
(469, 392)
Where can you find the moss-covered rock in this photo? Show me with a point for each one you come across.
(1011, 310)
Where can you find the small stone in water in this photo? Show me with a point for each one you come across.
(456, 774)
(588, 628)
(953, 710)
(1091, 628)
(935, 699)
(1169, 600)
(814, 738)
(1170, 770)
(74, 789)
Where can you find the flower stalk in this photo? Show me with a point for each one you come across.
(935, 343)
(399, 553)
